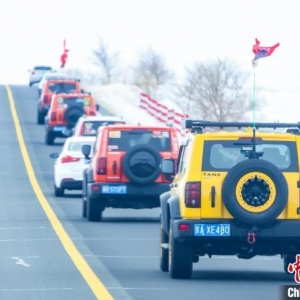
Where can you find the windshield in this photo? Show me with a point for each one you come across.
(123, 140)
(42, 68)
(62, 87)
(220, 155)
(76, 146)
(90, 128)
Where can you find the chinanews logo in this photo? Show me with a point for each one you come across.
(293, 291)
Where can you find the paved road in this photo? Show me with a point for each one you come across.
(122, 250)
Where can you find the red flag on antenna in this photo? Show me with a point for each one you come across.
(261, 52)
(64, 56)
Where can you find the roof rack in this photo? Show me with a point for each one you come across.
(196, 125)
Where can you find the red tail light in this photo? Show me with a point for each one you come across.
(101, 166)
(192, 194)
(53, 116)
(68, 158)
(92, 113)
(81, 129)
(45, 100)
(32, 73)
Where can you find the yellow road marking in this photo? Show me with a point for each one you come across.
(90, 277)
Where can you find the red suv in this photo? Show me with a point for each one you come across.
(125, 169)
(52, 87)
(64, 112)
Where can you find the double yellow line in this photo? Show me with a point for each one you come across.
(90, 277)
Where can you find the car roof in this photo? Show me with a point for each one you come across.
(145, 127)
(79, 139)
(101, 118)
(62, 80)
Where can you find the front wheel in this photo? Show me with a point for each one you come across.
(164, 249)
(180, 257)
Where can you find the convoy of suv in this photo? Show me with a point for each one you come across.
(221, 192)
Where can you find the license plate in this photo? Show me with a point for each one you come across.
(212, 229)
(114, 189)
(59, 128)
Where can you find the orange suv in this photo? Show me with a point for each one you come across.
(55, 87)
(125, 169)
(64, 112)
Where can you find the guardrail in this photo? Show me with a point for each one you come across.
(164, 114)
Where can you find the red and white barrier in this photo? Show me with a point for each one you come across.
(163, 113)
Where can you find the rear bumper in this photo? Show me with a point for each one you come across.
(71, 184)
(132, 190)
(57, 131)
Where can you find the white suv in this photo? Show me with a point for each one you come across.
(37, 73)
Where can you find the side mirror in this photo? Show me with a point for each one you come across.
(67, 132)
(97, 107)
(167, 166)
(86, 150)
(54, 155)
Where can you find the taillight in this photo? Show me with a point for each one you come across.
(192, 194)
(68, 159)
(53, 116)
(92, 113)
(32, 73)
(81, 129)
(101, 166)
(45, 100)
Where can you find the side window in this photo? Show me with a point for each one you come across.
(183, 164)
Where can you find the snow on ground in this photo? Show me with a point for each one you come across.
(122, 101)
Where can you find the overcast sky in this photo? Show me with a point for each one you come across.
(32, 32)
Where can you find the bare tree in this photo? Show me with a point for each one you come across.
(86, 78)
(107, 61)
(215, 91)
(151, 71)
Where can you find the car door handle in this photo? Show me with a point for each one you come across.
(213, 196)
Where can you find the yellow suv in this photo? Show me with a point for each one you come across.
(235, 192)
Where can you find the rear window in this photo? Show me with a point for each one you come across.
(42, 68)
(90, 128)
(123, 140)
(223, 155)
(69, 101)
(62, 87)
(76, 146)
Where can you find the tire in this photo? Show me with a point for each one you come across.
(180, 258)
(49, 138)
(255, 192)
(164, 252)
(58, 192)
(288, 259)
(135, 170)
(72, 114)
(84, 207)
(94, 209)
(40, 118)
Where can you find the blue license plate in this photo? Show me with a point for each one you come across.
(212, 229)
(59, 128)
(114, 189)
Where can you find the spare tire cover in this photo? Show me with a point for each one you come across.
(141, 164)
(255, 192)
(73, 113)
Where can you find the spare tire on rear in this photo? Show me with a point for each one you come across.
(255, 192)
(73, 113)
(141, 164)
